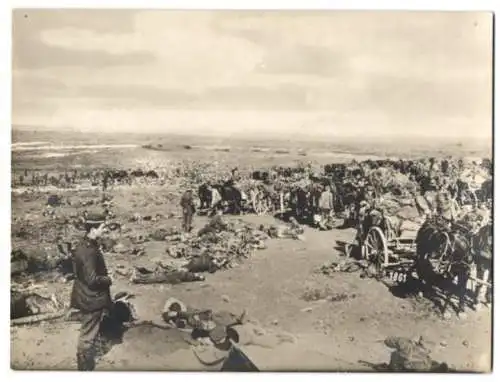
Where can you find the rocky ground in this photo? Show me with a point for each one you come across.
(343, 329)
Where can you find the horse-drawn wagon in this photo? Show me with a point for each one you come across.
(387, 242)
(438, 251)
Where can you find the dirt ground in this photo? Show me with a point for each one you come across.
(345, 334)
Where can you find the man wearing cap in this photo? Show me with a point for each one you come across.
(325, 205)
(188, 210)
(105, 180)
(91, 290)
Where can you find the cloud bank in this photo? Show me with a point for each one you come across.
(317, 73)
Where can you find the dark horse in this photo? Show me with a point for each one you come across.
(349, 196)
(300, 203)
(304, 201)
(205, 195)
(443, 253)
(230, 197)
(485, 193)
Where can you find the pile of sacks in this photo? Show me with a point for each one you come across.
(402, 208)
(391, 181)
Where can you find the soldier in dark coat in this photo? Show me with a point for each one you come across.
(188, 210)
(105, 180)
(91, 290)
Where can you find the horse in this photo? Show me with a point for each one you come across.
(448, 245)
(137, 173)
(231, 196)
(485, 193)
(151, 174)
(205, 194)
(348, 196)
(300, 202)
(118, 176)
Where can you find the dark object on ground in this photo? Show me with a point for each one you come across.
(238, 361)
(19, 262)
(203, 263)
(412, 355)
(23, 304)
(145, 276)
(54, 201)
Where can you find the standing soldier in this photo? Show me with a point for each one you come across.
(325, 205)
(105, 180)
(91, 290)
(188, 210)
(333, 190)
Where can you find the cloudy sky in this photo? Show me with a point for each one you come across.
(296, 73)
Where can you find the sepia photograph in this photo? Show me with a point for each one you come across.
(251, 190)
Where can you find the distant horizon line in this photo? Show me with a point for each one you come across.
(255, 135)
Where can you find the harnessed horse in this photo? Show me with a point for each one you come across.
(231, 196)
(443, 253)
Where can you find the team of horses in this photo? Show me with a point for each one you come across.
(448, 251)
(448, 254)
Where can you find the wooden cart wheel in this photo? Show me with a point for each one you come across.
(376, 248)
(259, 202)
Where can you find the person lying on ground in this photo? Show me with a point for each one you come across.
(164, 275)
